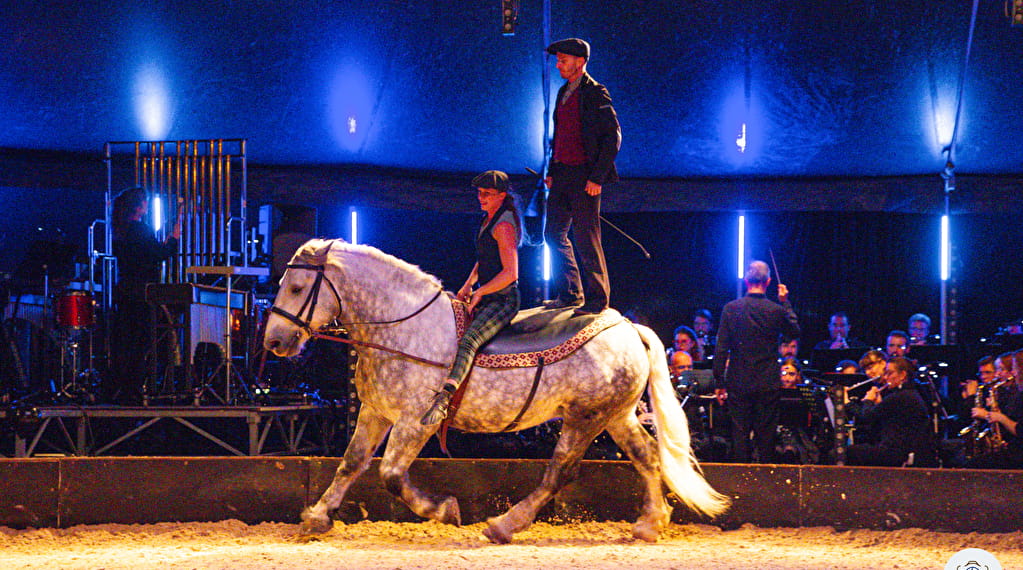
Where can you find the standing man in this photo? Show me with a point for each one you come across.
(586, 140)
(746, 369)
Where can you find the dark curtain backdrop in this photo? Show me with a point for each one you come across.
(878, 267)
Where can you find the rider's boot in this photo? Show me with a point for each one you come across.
(439, 408)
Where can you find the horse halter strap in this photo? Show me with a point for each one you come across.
(309, 305)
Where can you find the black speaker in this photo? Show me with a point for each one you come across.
(283, 228)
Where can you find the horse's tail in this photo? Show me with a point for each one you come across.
(678, 464)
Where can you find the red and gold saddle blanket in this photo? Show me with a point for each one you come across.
(551, 334)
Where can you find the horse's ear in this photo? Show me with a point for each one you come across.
(323, 248)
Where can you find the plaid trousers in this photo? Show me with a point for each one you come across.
(492, 314)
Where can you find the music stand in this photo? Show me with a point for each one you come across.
(793, 410)
(825, 359)
(927, 354)
(847, 380)
(1007, 342)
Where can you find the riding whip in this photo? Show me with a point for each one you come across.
(605, 220)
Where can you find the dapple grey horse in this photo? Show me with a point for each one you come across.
(385, 302)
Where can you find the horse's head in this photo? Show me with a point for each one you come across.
(306, 300)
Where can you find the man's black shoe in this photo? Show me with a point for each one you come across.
(584, 310)
(560, 303)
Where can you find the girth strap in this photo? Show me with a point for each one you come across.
(456, 401)
(529, 400)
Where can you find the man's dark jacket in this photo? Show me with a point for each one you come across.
(602, 135)
(748, 344)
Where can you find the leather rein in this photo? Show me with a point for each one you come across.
(330, 333)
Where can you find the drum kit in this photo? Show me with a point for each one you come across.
(48, 352)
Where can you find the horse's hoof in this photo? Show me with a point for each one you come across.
(314, 525)
(449, 513)
(495, 533)
(645, 532)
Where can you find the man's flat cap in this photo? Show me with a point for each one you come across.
(570, 46)
(491, 179)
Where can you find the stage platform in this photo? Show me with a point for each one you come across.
(104, 430)
(62, 492)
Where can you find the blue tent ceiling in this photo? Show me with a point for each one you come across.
(851, 89)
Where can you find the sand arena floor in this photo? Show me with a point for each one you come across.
(594, 546)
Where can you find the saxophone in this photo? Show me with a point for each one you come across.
(980, 439)
(973, 434)
(995, 441)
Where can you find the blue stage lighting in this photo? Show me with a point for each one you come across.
(157, 213)
(152, 102)
(741, 247)
(946, 252)
(546, 262)
(354, 216)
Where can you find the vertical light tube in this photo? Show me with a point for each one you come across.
(741, 262)
(945, 248)
(546, 262)
(157, 213)
(354, 225)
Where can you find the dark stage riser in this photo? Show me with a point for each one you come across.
(62, 492)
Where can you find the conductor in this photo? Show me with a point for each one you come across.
(746, 370)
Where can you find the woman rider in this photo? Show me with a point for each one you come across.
(493, 304)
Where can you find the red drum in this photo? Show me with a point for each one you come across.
(74, 310)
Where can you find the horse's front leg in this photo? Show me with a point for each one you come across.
(407, 439)
(370, 429)
(576, 436)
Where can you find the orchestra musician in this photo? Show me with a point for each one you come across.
(872, 363)
(970, 388)
(686, 340)
(897, 343)
(838, 331)
(804, 431)
(1003, 411)
(704, 328)
(139, 257)
(898, 418)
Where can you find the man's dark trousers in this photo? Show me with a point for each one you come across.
(570, 207)
(742, 409)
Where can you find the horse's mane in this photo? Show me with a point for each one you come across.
(344, 255)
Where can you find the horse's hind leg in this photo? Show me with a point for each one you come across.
(576, 436)
(407, 439)
(642, 450)
(369, 431)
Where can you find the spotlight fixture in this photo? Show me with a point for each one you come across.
(509, 15)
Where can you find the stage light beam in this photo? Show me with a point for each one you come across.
(152, 102)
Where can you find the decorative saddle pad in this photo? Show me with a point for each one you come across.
(551, 334)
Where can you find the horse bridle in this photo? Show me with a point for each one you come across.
(310, 301)
(309, 305)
